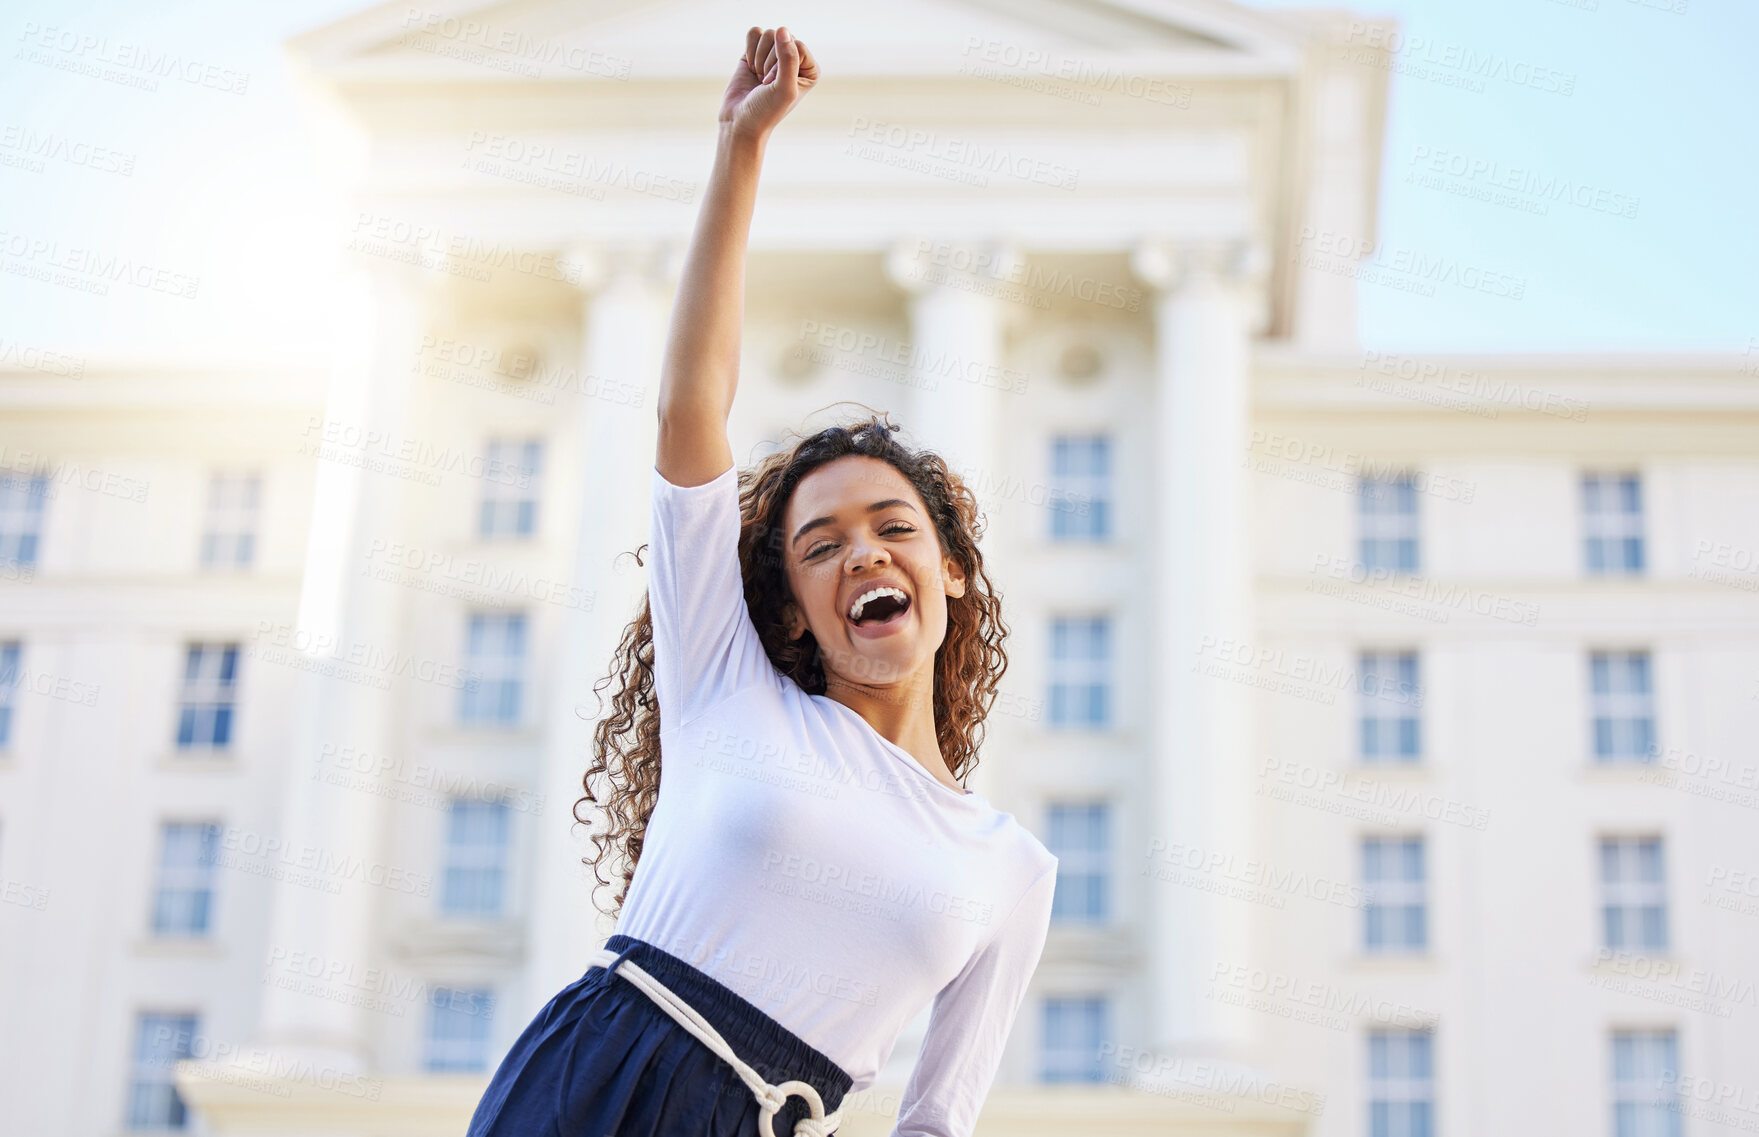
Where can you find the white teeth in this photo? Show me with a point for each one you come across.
(861, 601)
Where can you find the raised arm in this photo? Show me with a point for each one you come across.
(701, 368)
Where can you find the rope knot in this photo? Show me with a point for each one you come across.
(817, 1127)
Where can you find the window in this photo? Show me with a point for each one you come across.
(494, 669)
(1401, 1083)
(210, 677)
(1080, 671)
(230, 532)
(1080, 496)
(1645, 1077)
(1623, 706)
(21, 517)
(1633, 894)
(1393, 908)
(1080, 837)
(184, 903)
(9, 680)
(1612, 524)
(160, 1041)
(510, 478)
(1073, 1032)
(458, 1028)
(1387, 515)
(1387, 682)
(476, 858)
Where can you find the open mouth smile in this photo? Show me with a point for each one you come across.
(878, 611)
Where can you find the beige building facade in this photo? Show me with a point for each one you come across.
(1387, 712)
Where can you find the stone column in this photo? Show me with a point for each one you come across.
(1204, 309)
(624, 314)
(383, 309)
(958, 316)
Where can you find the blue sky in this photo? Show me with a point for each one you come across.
(1662, 111)
(1656, 136)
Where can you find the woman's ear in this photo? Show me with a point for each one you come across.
(793, 621)
(955, 577)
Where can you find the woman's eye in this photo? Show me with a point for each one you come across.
(894, 527)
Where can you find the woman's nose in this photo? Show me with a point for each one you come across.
(863, 553)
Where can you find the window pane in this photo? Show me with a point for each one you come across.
(512, 475)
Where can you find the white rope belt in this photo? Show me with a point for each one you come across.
(771, 1098)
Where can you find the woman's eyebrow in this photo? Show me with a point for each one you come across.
(874, 508)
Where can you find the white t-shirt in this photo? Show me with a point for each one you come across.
(816, 868)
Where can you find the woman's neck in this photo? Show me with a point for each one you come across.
(902, 713)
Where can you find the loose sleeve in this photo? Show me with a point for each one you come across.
(705, 645)
(970, 1023)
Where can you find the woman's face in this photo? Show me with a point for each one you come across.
(853, 525)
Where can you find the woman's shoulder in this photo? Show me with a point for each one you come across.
(1036, 855)
(1023, 849)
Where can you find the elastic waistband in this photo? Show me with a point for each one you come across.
(760, 1041)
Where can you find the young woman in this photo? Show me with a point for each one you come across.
(797, 702)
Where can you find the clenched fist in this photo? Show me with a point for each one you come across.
(772, 75)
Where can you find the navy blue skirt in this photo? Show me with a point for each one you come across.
(603, 1060)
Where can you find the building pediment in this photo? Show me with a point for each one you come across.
(658, 40)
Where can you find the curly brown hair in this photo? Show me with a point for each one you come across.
(968, 665)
